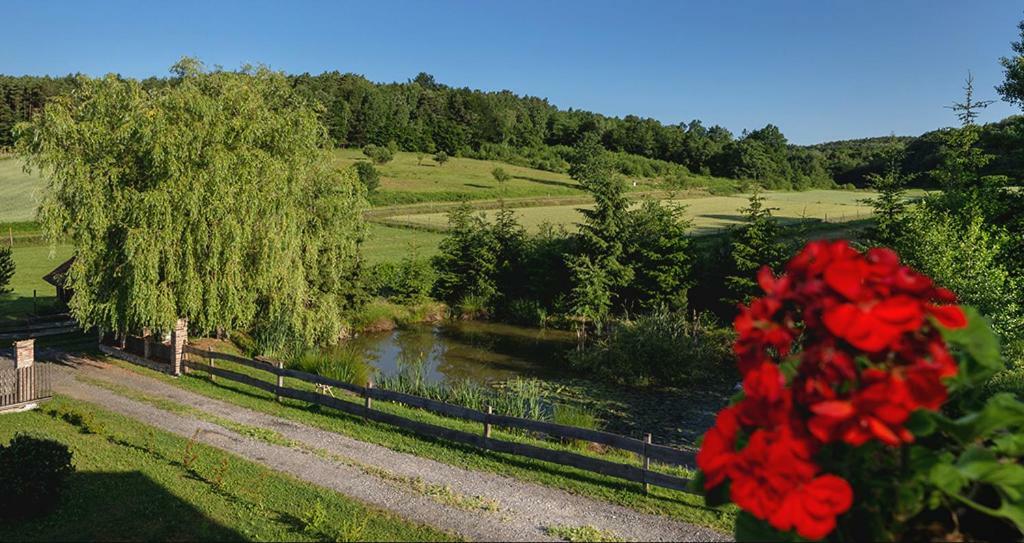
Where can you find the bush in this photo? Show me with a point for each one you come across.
(660, 348)
(407, 281)
(32, 473)
(368, 176)
(378, 154)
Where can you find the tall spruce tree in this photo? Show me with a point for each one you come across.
(6, 269)
(467, 263)
(657, 248)
(212, 198)
(599, 269)
(891, 203)
(754, 245)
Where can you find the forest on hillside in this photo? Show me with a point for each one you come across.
(424, 115)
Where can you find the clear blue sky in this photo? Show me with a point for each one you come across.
(821, 70)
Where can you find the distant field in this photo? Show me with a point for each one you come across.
(708, 213)
(403, 181)
(19, 192)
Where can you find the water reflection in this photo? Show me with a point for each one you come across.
(477, 351)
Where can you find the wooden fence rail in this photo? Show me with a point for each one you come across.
(644, 449)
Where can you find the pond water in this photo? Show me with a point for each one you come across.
(482, 352)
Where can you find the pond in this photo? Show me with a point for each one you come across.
(482, 352)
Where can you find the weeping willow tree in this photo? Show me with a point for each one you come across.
(210, 198)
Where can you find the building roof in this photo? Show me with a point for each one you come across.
(59, 274)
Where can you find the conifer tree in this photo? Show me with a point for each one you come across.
(891, 203)
(6, 269)
(754, 245)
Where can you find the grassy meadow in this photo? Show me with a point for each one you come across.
(19, 192)
(709, 213)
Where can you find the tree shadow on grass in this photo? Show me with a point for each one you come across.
(548, 182)
(104, 506)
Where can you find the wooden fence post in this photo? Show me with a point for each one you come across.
(366, 393)
(213, 364)
(647, 463)
(487, 425)
(280, 378)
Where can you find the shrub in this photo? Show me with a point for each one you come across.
(441, 157)
(33, 471)
(659, 348)
(368, 176)
(407, 281)
(341, 363)
(378, 154)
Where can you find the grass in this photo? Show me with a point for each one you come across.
(31, 264)
(19, 191)
(581, 533)
(709, 214)
(390, 244)
(679, 505)
(134, 482)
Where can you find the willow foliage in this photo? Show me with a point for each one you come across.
(210, 198)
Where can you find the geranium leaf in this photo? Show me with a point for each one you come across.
(921, 423)
(1009, 445)
(947, 478)
(980, 343)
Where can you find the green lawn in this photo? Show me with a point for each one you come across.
(386, 243)
(31, 264)
(708, 213)
(19, 192)
(132, 483)
(679, 505)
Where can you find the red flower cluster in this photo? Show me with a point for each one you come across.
(871, 354)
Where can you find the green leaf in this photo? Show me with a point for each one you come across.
(981, 345)
(921, 423)
(947, 478)
(750, 528)
(1009, 445)
(1001, 411)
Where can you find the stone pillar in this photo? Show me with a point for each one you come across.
(147, 339)
(179, 336)
(24, 359)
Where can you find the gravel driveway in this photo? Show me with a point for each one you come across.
(374, 474)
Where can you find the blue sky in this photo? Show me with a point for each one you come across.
(821, 70)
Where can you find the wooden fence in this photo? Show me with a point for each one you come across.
(644, 448)
(22, 386)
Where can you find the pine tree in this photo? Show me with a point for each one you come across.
(467, 262)
(599, 269)
(6, 269)
(754, 245)
(890, 205)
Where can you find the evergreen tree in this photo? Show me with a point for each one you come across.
(368, 176)
(6, 269)
(601, 234)
(510, 240)
(962, 161)
(754, 245)
(891, 203)
(467, 261)
(657, 248)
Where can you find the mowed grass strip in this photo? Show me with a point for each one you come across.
(19, 192)
(709, 214)
(675, 504)
(134, 482)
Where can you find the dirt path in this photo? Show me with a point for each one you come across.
(482, 507)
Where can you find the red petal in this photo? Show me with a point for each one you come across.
(845, 277)
(950, 316)
(835, 409)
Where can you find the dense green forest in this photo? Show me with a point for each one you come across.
(426, 116)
